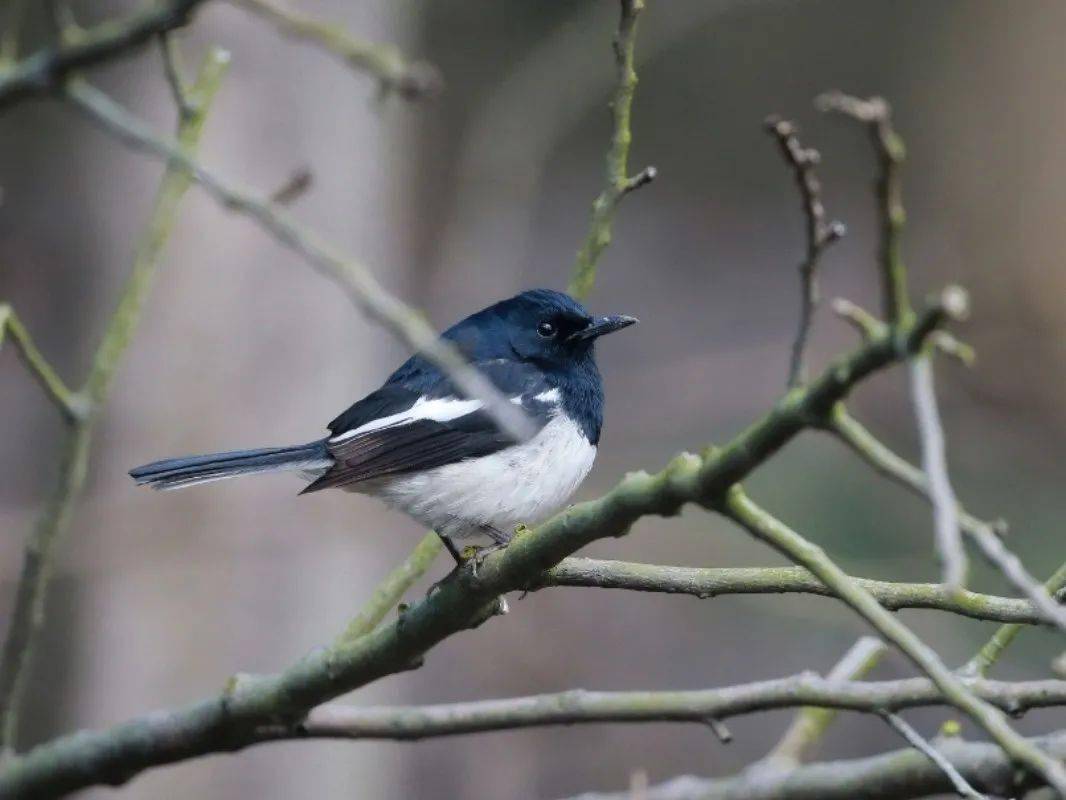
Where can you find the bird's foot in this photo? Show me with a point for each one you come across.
(475, 555)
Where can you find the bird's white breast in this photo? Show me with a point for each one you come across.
(520, 484)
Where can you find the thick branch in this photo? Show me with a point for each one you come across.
(706, 582)
(410, 79)
(618, 181)
(221, 723)
(899, 775)
(45, 71)
(985, 535)
(27, 618)
(786, 541)
(356, 280)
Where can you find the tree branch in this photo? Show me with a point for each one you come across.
(934, 463)
(618, 181)
(898, 775)
(985, 535)
(820, 234)
(707, 582)
(357, 281)
(891, 152)
(46, 70)
(922, 745)
(786, 541)
(70, 405)
(27, 618)
(811, 723)
(385, 62)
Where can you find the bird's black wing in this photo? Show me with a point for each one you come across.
(416, 422)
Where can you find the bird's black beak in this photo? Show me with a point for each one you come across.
(602, 325)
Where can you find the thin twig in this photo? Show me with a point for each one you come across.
(295, 186)
(991, 651)
(409, 79)
(357, 281)
(708, 582)
(172, 69)
(775, 533)
(876, 113)
(985, 535)
(27, 618)
(922, 745)
(70, 405)
(934, 463)
(810, 724)
(618, 181)
(819, 233)
(43, 72)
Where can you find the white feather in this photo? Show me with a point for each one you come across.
(523, 483)
(440, 409)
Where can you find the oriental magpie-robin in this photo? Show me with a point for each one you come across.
(425, 449)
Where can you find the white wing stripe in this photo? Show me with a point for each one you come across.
(440, 409)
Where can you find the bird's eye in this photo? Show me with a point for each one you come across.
(546, 329)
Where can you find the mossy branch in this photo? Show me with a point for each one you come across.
(619, 183)
(27, 618)
(708, 582)
(409, 79)
(45, 71)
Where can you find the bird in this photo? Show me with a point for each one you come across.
(426, 449)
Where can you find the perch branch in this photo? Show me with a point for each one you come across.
(707, 582)
(219, 723)
(27, 617)
(618, 181)
(354, 277)
(819, 233)
(410, 79)
(924, 746)
(45, 71)
(779, 536)
(985, 535)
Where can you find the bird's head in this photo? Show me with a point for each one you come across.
(541, 325)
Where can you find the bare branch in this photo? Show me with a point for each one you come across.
(919, 743)
(820, 234)
(70, 405)
(800, 551)
(707, 582)
(901, 775)
(985, 535)
(811, 723)
(46, 70)
(357, 281)
(891, 152)
(27, 618)
(618, 181)
(934, 463)
(172, 69)
(297, 185)
(1002, 638)
(410, 80)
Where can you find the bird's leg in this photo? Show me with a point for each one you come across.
(449, 545)
(477, 555)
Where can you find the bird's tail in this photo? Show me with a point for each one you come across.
(177, 473)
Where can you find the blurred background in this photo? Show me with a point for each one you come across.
(461, 200)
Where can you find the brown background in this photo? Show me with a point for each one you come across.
(455, 203)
